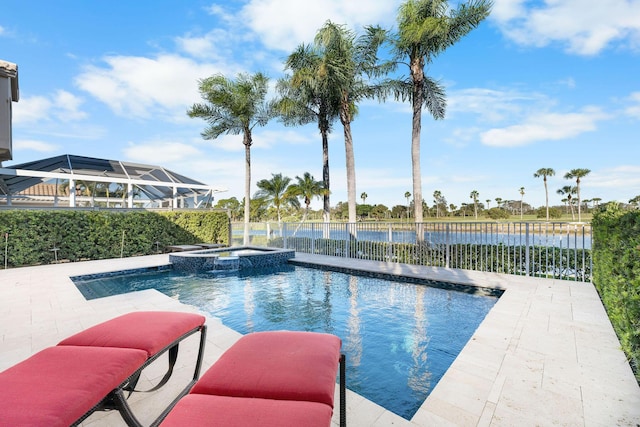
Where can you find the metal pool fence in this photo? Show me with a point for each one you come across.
(555, 250)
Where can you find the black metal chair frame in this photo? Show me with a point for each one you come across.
(117, 398)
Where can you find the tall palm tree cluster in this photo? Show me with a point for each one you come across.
(280, 191)
(568, 191)
(327, 79)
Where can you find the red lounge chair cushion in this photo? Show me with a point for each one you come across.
(205, 410)
(276, 365)
(150, 331)
(58, 385)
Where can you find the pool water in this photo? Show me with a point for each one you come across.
(399, 338)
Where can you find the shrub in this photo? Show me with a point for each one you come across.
(498, 213)
(35, 237)
(616, 275)
(554, 213)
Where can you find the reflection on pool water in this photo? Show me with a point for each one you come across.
(399, 338)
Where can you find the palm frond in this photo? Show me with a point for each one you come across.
(435, 99)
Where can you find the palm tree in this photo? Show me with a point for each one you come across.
(463, 208)
(544, 173)
(344, 62)
(275, 191)
(596, 201)
(498, 201)
(488, 202)
(307, 188)
(307, 97)
(474, 195)
(521, 201)
(577, 174)
(427, 28)
(235, 107)
(407, 196)
(364, 196)
(437, 195)
(568, 191)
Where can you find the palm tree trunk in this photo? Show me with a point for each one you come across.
(417, 75)
(304, 218)
(247, 186)
(546, 196)
(579, 202)
(326, 214)
(573, 214)
(351, 168)
(415, 161)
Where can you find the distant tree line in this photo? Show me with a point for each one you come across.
(284, 199)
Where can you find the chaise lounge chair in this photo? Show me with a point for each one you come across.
(268, 379)
(92, 370)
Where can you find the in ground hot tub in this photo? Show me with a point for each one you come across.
(226, 259)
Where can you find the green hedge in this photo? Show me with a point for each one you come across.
(28, 237)
(616, 275)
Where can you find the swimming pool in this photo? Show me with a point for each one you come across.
(399, 338)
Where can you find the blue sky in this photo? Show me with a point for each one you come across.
(550, 83)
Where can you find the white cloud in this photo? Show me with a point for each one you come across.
(219, 11)
(215, 45)
(61, 105)
(620, 177)
(583, 27)
(544, 127)
(633, 109)
(263, 139)
(142, 87)
(507, 10)
(34, 145)
(569, 82)
(283, 24)
(68, 106)
(161, 152)
(491, 104)
(270, 138)
(228, 142)
(31, 109)
(197, 46)
(461, 137)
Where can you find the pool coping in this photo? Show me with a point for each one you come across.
(546, 353)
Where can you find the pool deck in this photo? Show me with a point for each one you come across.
(546, 354)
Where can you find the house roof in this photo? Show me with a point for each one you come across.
(42, 189)
(10, 70)
(155, 182)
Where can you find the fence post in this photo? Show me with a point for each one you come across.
(347, 246)
(527, 254)
(447, 254)
(390, 246)
(284, 235)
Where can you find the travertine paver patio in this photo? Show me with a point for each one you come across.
(545, 355)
